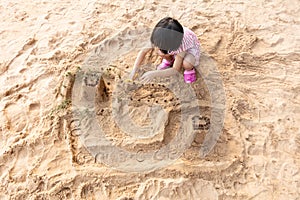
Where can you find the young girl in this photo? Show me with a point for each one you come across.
(178, 46)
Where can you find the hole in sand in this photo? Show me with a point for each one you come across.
(34, 106)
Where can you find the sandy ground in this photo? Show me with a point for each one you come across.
(46, 152)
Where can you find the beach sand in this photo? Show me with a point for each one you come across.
(63, 71)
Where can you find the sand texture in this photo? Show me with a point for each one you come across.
(72, 126)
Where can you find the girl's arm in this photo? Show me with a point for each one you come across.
(138, 61)
(166, 72)
(178, 61)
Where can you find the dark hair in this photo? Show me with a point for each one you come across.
(167, 35)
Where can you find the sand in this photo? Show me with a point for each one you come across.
(73, 127)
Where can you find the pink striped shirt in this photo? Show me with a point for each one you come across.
(189, 44)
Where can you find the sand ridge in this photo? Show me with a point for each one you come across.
(255, 46)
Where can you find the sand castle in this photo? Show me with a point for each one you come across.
(60, 86)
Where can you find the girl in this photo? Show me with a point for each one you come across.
(178, 46)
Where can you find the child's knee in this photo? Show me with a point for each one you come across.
(189, 62)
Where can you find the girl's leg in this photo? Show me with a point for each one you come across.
(167, 60)
(168, 57)
(188, 62)
(189, 72)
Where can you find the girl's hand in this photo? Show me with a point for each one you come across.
(132, 73)
(148, 76)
